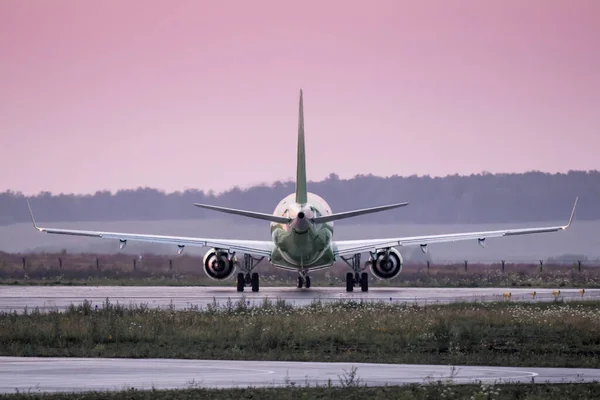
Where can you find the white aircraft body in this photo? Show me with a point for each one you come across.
(302, 238)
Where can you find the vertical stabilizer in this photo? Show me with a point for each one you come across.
(301, 196)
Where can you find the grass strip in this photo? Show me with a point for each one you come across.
(152, 269)
(553, 334)
(449, 279)
(575, 391)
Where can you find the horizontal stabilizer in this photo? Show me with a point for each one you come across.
(249, 214)
(356, 213)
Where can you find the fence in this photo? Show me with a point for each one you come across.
(117, 266)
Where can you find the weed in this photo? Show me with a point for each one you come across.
(520, 334)
(349, 378)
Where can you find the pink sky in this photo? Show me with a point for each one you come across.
(196, 94)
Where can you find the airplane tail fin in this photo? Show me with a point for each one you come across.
(301, 192)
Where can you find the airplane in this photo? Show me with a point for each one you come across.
(302, 238)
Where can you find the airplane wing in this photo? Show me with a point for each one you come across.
(348, 247)
(255, 247)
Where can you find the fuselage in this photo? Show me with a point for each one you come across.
(302, 244)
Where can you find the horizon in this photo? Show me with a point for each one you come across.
(183, 95)
(290, 180)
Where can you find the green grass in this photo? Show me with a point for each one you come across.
(503, 334)
(121, 269)
(577, 391)
(411, 277)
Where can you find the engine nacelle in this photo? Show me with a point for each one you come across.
(218, 264)
(386, 267)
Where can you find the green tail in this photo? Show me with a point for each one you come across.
(301, 193)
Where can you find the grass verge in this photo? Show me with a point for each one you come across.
(408, 278)
(444, 391)
(186, 270)
(503, 334)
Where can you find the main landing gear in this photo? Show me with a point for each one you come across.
(248, 277)
(358, 277)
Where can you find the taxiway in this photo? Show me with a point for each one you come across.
(18, 298)
(101, 374)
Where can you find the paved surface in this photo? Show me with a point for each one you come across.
(60, 297)
(86, 374)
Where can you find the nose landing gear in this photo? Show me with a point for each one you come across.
(303, 280)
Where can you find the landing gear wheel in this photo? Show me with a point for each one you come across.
(241, 282)
(300, 282)
(307, 282)
(364, 282)
(349, 282)
(254, 282)
(247, 277)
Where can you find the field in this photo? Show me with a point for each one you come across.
(123, 269)
(350, 391)
(496, 334)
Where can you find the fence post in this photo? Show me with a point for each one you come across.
(170, 265)
(541, 265)
(503, 262)
(579, 265)
(134, 264)
(59, 262)
(466, 262)
(24, 264)
(428, 264)
(97, 264)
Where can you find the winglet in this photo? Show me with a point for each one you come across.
(32, 218)
(572, 214)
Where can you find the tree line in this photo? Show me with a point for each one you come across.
(453, 199)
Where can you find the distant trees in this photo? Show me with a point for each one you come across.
(477, 198)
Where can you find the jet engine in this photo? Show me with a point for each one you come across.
(386, 266)
(218, 264)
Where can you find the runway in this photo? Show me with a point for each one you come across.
(87, 374)
(17, 298)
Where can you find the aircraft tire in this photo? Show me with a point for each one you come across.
(364, 282)
(349, 282)
(307, 282)
(254, 282)
(241, 282)
(300, 282)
